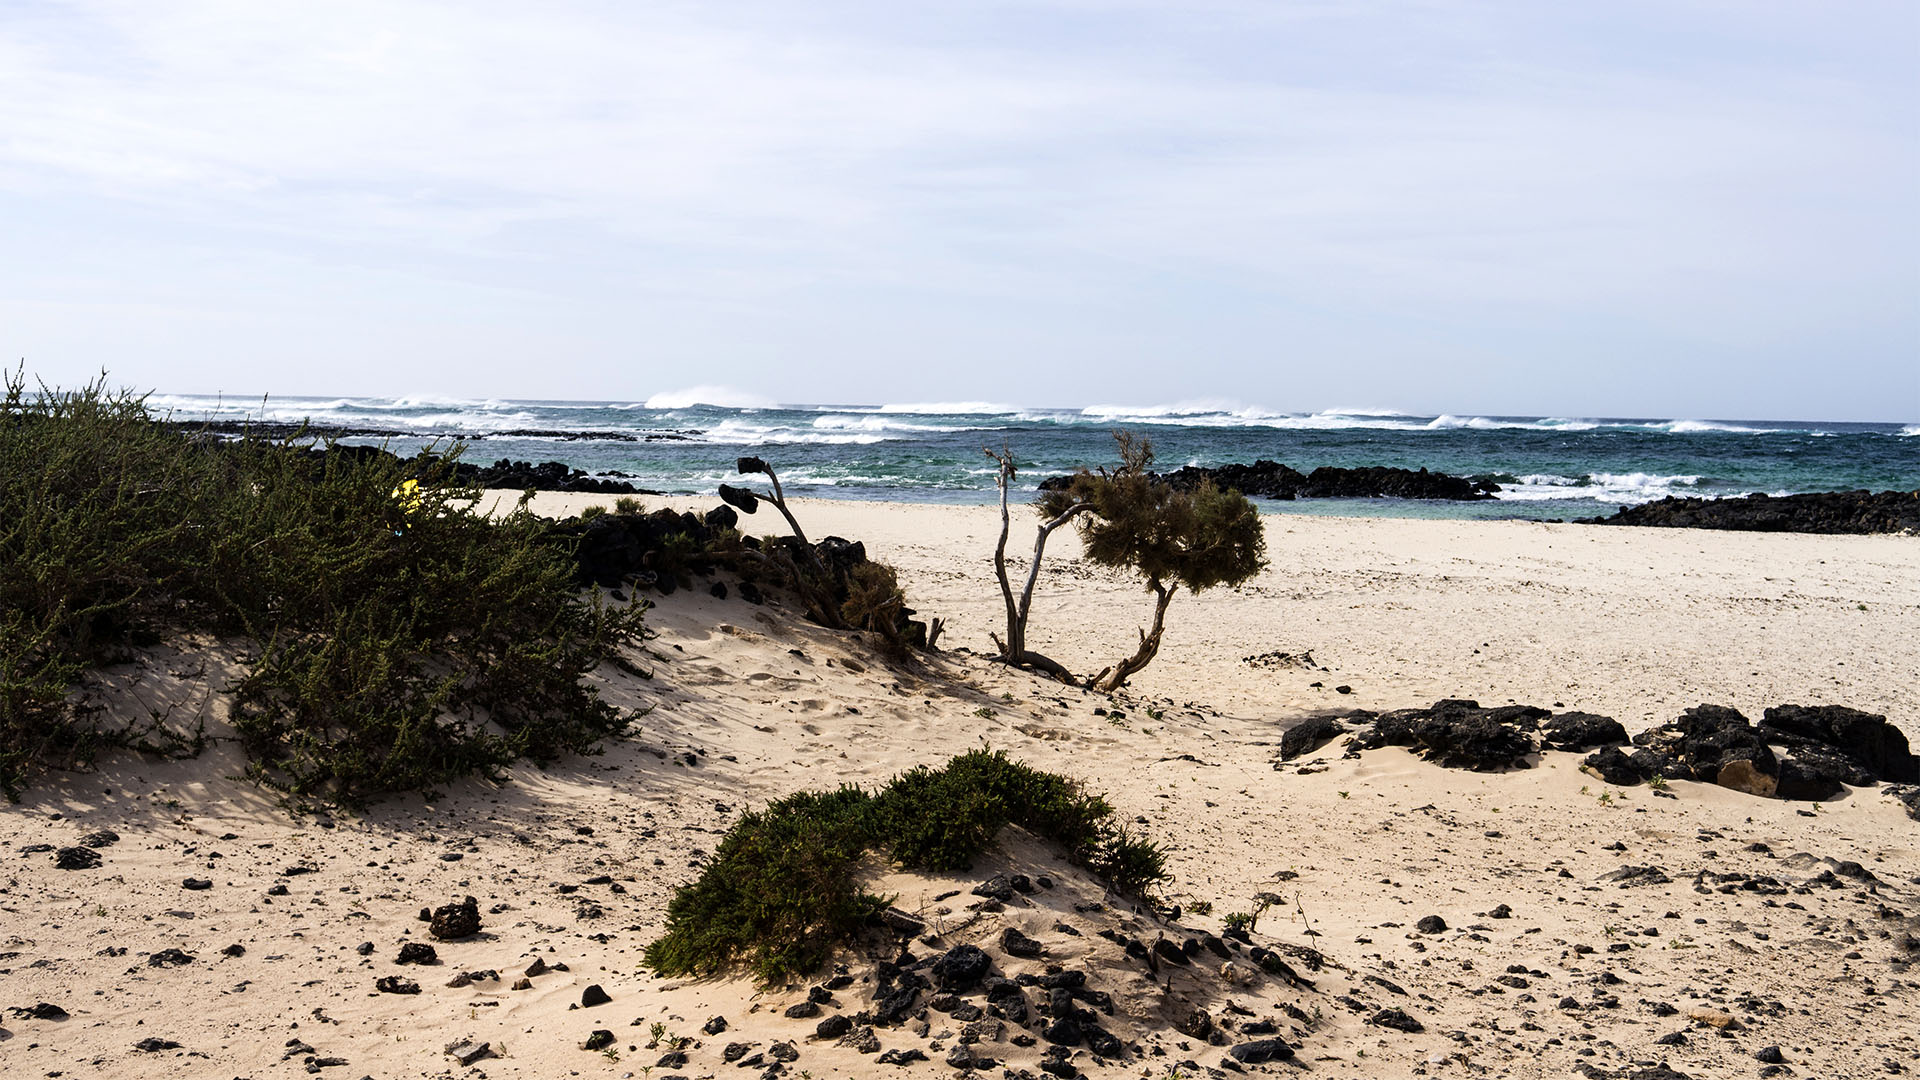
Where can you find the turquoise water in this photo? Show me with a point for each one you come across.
(1548, 467)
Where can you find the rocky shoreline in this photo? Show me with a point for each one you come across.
(1853, 512)
(1271, 480)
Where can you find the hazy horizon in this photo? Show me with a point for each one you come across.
(1635, 209)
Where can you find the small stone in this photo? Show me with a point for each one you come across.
(715, 1026)
(522, 983)
(1500, 912)
(414, 952)
(103, 838)
(593, 995)
(394, 984)
(196, 884)
(803, 1011)
(468, 1052)
(40, 1011)
(1769, 1055)
(735, 1051)
(538, 967)
(235, 949)
(277, 890)
(1432, 924)
(169, 958)
(783, 1051)
(153, 1046)
(1713, 1018)
(365, 948)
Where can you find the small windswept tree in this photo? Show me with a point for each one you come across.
(1131, 519)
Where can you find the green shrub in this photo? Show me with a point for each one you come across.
(405, 639)
(95, 526)
(626, 504)
(876, 603)
(780, 893)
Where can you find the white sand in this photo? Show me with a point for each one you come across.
(1634, 623)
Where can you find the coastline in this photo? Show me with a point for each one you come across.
(1637, 623)
(574, 865)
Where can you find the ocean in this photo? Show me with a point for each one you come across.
(1547, 467)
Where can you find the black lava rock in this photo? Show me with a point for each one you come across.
(962, 967)
(1015, 943)
(1865, 740)
(1397, 1019)
(833, 1027)
(1261, 1050)
(196, 884)
(1309, 735)
(1857, 512)
(715, 1026)
(1272, 480)
(1458, 733)
(1614, 766)
(804, 1010)
(76, 858)
(998, 887)
(1581, 731)
(169, 958)
(414, 952)
(1432, 924)
(394, 984)
(599, 1040)
(593, 995)
(454, 921)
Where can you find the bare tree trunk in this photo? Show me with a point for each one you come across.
(1115, 677)
(1016, 628)
(780, 504)
(1014, 649)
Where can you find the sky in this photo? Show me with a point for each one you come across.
(1703, 208)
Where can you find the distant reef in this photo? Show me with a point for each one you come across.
(1272, 480)
(1856, 512)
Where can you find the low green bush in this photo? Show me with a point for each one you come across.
(780, 894)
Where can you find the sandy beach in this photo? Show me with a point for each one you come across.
(1551, 963)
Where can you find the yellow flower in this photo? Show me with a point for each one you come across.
(408, 495)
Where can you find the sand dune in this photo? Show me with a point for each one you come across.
(572, 867)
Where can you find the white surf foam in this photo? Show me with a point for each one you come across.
(725, 397)
(1623, 489)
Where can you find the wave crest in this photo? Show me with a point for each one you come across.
(725, 397)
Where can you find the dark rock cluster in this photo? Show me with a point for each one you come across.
(1272, 480)
(546, 476)
(1827, 745)
(1458, 733)
(1813, 512)
(1820, 747)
